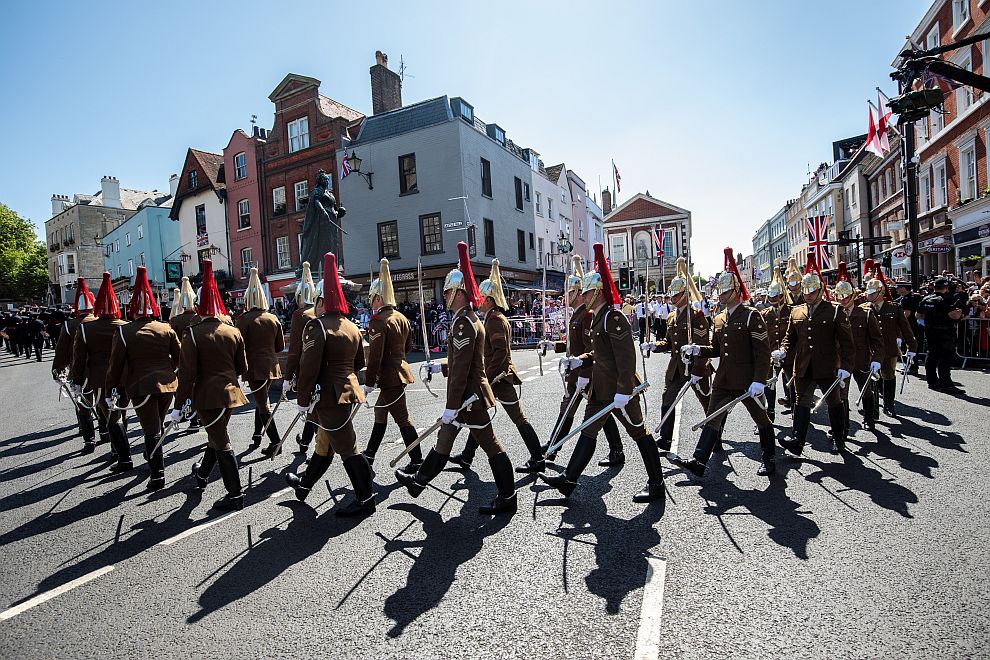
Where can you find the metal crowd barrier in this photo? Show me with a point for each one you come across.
(974, 340)
(526, 330)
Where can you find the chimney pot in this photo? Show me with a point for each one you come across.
(386, 86)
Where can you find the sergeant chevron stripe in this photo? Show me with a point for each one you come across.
(461, 343)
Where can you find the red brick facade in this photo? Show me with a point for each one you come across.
(246, 247)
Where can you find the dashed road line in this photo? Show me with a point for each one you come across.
(648, 639)
(677, 427)
(198, 528)
(57, 591)
(529, 378)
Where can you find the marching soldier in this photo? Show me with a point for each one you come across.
(183, 316)
(741, 342)
(306, 310)
(868, 345)
(577, 380)
(502, 374)
(820, 339)
(34, 335)
(896, 334)
(212, 359)
(613, 380)
(263, 340)
(940, 311)
(143, 360)
(90, 358)
(332, 354)
(682, 329)
(390, 340)
(776, 317)
(466, 376)
(81, 312)
(793, 280)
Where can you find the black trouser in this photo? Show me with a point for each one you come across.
(642, 329)
(941, 354)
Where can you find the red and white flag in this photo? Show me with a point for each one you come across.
(617, 177)
(345, 167)
(873, 143)
(884, 112)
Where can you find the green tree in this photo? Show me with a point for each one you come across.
(23, 258)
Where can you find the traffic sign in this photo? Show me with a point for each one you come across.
(909, 248)
(898, 254)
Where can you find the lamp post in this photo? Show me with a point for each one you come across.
(354, 162)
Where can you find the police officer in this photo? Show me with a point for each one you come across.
(909, 301)
(939, 312)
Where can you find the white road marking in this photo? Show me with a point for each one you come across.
(198, 528)
(523, 371)
(677, 426)
(648, 639)
(57, 591)
(529, 378)
(279, 493)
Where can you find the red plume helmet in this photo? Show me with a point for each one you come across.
(812, 267)
(878, 274)
(843, 272)
(464, 265)
(210, 302)
(609, 291)
(868, 268)
(85, 301)
(143, 301)
(106, 300)
(733, 267)
(333, 295)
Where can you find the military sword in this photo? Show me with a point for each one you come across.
(428, 432)
(874, 376)
(837, 383)
(295, 420)
(64, 386)
(568, 410)
(680, 395)
(272, 415)
(426, 337)
(726, 408)
(172, 426)
(552, 449)
(904, 375)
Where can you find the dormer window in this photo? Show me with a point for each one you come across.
(500, 136)
(193, 180)
(463, 109)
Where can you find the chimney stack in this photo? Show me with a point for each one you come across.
(606, 202)
(111, 192)
(386, 86)
(173, 185)
(59, 204)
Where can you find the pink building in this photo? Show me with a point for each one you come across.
(244, 210)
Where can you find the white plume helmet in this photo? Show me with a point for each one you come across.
(187, 298)
(382, 287)
(176, 301)
(492, 287)
(306, 288)
(254, 294)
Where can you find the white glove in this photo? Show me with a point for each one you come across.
(621, 400)
(647, 347)
(695, 380)
(436, 367)
(842, 374)
(286, 386)
(756, 389)
(921, 322)
(582, 383)
(76, 389)
(174, 416)
(574, 363)
(110, 403)
(689, 350)
(910, 355)
(368, 389)
(697, 305)
(448, 416)
(874, 367)
(302, 410)
(899, 341)
(778, 355)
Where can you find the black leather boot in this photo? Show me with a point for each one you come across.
(666, 438)
(768, 449)
(201, 470)
(315, 469)
(156, 462)
(258, 422)
(654, 472)
(837, 421)
(432, 465)
(532, 442)
(86, 429)
(303, 439)
(359, 472)
(416, 454)
(566, 482)
(375, 441)
(802, 420)
(616, 457)
(502, 473)
(273, 448)
(272, 430)
(889, 395)
(464, 459)
(120, 447)
(234, 499)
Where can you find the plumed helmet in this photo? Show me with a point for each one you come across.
(106, 304)
(210, 302)
(812, 280)
(188, 297)
(879, 283)
(793, 276)
(85, 301)
(868, 268)
(333, 295)
(777, 292)
(730, 279)
(844, 287)
(492, 287)
(575, 281)
(143, 301)
(176, 302)
(382, 287)
(682, 282)
(254, 294)
(461, 279)
(305, 288)
(599, 282)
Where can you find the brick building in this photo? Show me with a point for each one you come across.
(199, 206)
(241, 158)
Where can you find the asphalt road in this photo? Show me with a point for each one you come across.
(882, 552)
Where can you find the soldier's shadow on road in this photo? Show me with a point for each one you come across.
(24, 444)
(850, 471)
(881, 446)
(904, 428)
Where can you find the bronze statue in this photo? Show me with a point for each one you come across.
(319, 231)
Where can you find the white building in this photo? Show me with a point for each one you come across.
(200, 208)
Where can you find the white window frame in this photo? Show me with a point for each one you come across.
(277, 193)
(243, 211)
(140, 232)
(142, 258)
(940, 184)
(296, 196)
(539, 204)
(130, 267)
(240, 166)
(298, 131)
(116, 245)
(549, 207)
(959, 20)
(924, 192)
(247, 263)
(282, 255)
(127, 238)
(933, 38)
(964, 93)
(617, 250)
(120, 270)
(968, 147)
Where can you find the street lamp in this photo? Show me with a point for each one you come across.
(354, 162)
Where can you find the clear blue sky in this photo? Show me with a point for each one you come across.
(716, 107)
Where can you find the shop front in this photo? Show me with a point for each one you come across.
(971, 235)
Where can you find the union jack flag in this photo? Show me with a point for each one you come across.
(818, 240)
(345, 167)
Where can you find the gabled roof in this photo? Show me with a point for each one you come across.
(643, 206)
(292, 83)
(332, 108)
(553, 172)
(211, 167)
(403, 120)
(129, 199)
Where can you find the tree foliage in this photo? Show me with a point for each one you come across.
(23, 258)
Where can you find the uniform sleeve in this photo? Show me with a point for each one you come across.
(63, 350)
(759, 341)
(699, 328)
(665, 344)
(790, 337)
(359, 361)
(78, 375)
(409, 336)
(174, 349)
(188, 366)
(874, 337)
(497, 336)
(240, 356)
(907, 334)
(376, 349)
(713, 349)
(620, 337)
(844, 337)
(118, 356)
(310, 361)
(459, 361)
(295, 345)
(279, 335)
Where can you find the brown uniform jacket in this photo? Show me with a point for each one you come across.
(498, 348)
(180, 322)
(143, 359)
(819, 343)
(465, 366)
(867, 336)
(776, 319)
(613, 355)
(332, 354)
(677, 336)
(212, 358)
(91, 351)
(894, 325)
(263, 339)
(742, 344)
(390, 340)
(579, 335)
(63, 348)
(300, 318)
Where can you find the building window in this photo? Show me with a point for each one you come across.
(301, 193)
(116, 245)
(852, 194)
(203, 255)
(142, 258)
(201, 220)
(130, 267)
(298, 134)
(243, 214)
(247, 261)
(431, 234)
(240, 165)
(563, 200)
(874, 194)
(932, 40)
(617, 250)
(407, 174)
(278, 201)
(580, 230)
(539, 254)
(119, 270)
(941, 192)
(388, 240)
(521, 245)
(549, 208)
(193, 180)
(539, 204)
(70, 261)
(466, 112)
(282, 252)
(964, 94)
(960, 13)
(489, 237)
(519, 193)
(530, 240)
(140, 232)
(127, 238)
(967, 172)
(499, 136)
(526, 191)
(486, 178)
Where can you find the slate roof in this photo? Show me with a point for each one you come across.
(409, 118)
(553, 172)
(129, 198)
(332, 108)
(211, 164)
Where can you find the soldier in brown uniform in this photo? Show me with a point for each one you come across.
(820, 339)
(143, 360)
(82, 312)
(90, 359)
(613, 380)
(897, 334)
(212, 360)
(776, 317)
(868, 344)
(576, 381)
(182, 317)
(332, 355)
(306, 299)
(741, 342)
(390, 340)
(793, 280)
(502, 374)
(686, 325)
(263, 340)
(465, 369)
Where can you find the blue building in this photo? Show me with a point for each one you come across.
(146, 239)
